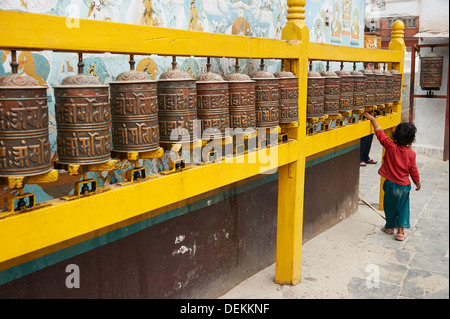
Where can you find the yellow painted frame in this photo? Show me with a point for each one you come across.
(22, 235)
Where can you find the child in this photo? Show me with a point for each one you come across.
(399, 163)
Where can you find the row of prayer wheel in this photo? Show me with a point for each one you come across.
(132, 114)
(330, 93)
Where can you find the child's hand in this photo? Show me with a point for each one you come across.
(418, 186)
(368, 116)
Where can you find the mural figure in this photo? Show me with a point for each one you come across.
(149, 15)
(149, 66)
(194, 19)
(336, 23)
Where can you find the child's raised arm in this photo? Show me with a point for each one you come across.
(374, 122)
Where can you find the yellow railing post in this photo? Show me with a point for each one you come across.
(291, 177)
(397, 43)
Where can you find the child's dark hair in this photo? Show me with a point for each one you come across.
(404, 134)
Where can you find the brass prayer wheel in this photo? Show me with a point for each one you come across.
(431, 67)
(380, 87)
(288, 107)
(134, 112)
(213, 101)
(359, 90)
(315, 102)
(177, 103)
(370, 88)
(241, 91)
(346, 90)
(24, 144)
(332, 91)
(389, 90)
(397, 87)
(83, 118)
(267, 98)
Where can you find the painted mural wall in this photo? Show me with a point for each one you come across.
(339, 22)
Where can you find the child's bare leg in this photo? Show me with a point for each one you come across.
(401, 230)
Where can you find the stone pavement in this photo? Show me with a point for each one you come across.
(356, 260)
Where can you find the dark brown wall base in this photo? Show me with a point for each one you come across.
(331, 193)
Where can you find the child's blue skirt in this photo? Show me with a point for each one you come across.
(396, 204)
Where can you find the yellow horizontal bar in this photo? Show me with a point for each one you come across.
(32, 31)
(329, 52)
(28, 232)
(326, 140)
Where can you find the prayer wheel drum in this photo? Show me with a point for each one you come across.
(267, 99)
(213, 102)
(241, 91)
(134, 112)
(24, 144)
(359, 90)
(315, 102)
(332, 89)
(83, 117)
(397, 89)
(346, 90)
(177, 103)
(288, 107)
(390, 87)
(380, 87)
(370, 88)
(431, 67)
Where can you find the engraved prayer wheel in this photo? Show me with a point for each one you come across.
(267, 98)
(24, 144)
(288, 107)
(359, 90)
(370, 88)
(134, 112)
(241, 92)
(346, 90)
(431, 67)
(332, 91)
(389, 90)
(315, 102)
(213, 101)
(380, 87)
(177, 102)
(83, 118)
(397, 86)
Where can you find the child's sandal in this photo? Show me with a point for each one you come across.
(388, 230)
(400, 236)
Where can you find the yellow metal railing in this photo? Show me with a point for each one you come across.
(68, 222)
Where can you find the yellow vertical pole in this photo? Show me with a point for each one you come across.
(291, 177)
(397, 43)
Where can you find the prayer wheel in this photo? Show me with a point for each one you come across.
(315, 102)
(370, 88)
(389, 90)
(380, 87)
(83, 118)
(346, 90)
(134, 112)
(213, 101)
(267, 98)
(24, 144)
(397, 87)
(241, 91)
(332, 91)
(431, 67)
(288, 107)
(177, 103)
(359, 90)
